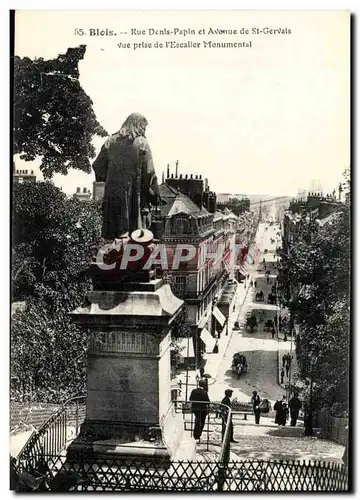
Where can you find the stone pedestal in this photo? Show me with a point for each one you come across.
(98, 190)
(129, 414)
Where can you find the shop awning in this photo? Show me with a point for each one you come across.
(208, 340)
(203, 322)
(184, 344)
(220, 318)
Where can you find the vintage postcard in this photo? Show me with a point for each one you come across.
(180, 309)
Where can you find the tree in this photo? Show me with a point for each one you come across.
(180, 329)
(53, 116)
(52, 241)
(48, 355)
(314, 277)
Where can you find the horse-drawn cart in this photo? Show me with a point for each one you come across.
(239, 364)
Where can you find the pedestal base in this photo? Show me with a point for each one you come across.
(160, 445)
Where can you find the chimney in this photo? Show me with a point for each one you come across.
(191, 176)
(163, 177)
(196, 176)
(78, 190)
(180, 176)
(186, 176)
(168, 171)
(212, 203)
(176, 168)
(200, 176)
(172, 176)
(84, 190)
(32, 172)
(26, 172)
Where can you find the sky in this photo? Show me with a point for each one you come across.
(269, 119)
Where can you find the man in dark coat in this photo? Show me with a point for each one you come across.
(255, 402)
(295, 407)
(277, 409)
(226, 401)
(200, 409)
(125, 165)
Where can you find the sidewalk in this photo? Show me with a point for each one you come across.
(213, 361)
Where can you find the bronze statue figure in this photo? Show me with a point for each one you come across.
(125, 165)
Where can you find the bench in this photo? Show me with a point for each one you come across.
(242, 412)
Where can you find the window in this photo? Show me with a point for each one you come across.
(179, 286)
(180, 226)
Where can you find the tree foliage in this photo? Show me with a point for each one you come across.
(315, 280)
(180, 329)
(52, 239)
(53, 116)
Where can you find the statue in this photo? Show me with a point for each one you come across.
(125, 165)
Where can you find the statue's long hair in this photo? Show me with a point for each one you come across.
(134, 126)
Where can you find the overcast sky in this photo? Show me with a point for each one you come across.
(267, 119)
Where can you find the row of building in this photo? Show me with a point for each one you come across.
(313, 207)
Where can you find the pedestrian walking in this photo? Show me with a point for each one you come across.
(294, 406)
(255, 283)
(199, 408)
(272, 332)
(281, 410)
(277, 409)
(285, 337)
(284, 360)
(287, 368)
(226, 401)
(204, 378)
(255, 402)
(284, 414)
(282, 374)
(267, 279)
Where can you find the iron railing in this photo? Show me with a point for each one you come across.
(218, 417)
(52, 437)
(241, 476)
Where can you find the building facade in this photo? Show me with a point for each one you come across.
(82, 195)
(23, 176)
(206, 282)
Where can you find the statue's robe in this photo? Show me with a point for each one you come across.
(126, 167)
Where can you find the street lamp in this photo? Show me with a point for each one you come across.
(309, 417)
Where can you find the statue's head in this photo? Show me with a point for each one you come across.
(134, 126)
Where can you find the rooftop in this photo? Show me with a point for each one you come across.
(182, 204)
